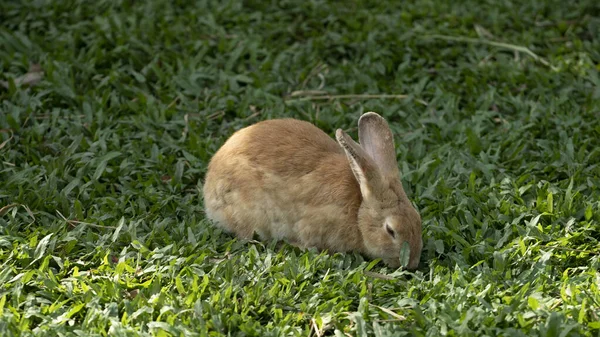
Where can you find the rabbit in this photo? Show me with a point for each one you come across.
(285, 179)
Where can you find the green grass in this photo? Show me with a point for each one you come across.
(101, 165)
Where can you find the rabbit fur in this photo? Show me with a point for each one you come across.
(285, 179)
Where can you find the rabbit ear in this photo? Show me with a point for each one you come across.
(364, 169)
(377, 140)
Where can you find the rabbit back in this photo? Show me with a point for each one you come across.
(285, 179)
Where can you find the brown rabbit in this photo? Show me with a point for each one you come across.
(285, 179)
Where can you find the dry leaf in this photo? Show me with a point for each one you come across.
(33, 77)
(3, 144)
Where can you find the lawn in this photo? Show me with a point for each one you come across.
(495, 107)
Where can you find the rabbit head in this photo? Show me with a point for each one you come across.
(388, 222)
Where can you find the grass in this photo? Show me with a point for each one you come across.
(103, 149)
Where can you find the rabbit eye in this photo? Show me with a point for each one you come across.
(390, 231)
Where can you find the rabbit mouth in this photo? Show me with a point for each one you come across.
(392, 262)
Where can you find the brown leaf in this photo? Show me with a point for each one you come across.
(133, 293)
(6, 208)
(31, 78)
